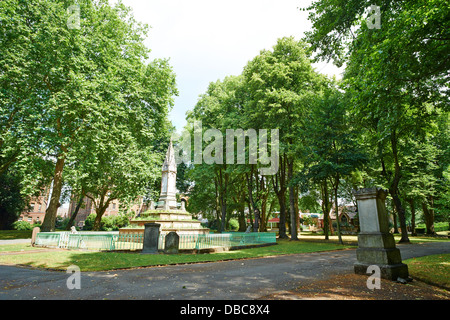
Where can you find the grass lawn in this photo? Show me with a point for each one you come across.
(353, 239)
(15, 234)
(100, 261)
(434, 269)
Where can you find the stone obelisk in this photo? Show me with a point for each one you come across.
(167, 198)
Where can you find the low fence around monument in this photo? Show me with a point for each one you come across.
(111, 241)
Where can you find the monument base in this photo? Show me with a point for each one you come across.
(378, 248)
(388, 271)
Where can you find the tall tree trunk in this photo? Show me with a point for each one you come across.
(253, 206)
(268, 214)
(75, 213)
(262, 225)
(325, 208)
(48, 225)
(242, 222)
(394, 217)
(257, 220)
(393, 190)
(222, 181)
(217, 209)
(401, 215)
(428, 215)
(98, 218)
(297, 215)
(279, 186)
(240, 200)
(282, 224)
(413, 216)
(292, 213)
(338, 220)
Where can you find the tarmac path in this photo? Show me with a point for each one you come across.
(231, 280)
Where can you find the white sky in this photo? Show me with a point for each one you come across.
(207, 40)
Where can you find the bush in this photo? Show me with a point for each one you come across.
(22, 226)
(438, 226)
(233, 224)
(110, 223)
(61, 223)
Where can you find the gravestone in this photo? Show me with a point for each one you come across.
(36, 230)
(151, 238)
(172, 243)
(376, 246)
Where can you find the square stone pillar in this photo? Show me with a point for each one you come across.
(151, 238)
(376, 246)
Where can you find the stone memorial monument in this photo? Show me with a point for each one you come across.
(376, 246)
(167, 214)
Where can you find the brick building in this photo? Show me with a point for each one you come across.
(88, 208)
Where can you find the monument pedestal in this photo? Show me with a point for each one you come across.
(376, 246)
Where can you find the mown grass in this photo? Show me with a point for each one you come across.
(353, 239)
(15, 234)
(102, 261)
(434, 269)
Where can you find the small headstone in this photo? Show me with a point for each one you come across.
(151, 238)
(183, 205)
(73, 230)
(34, 235)
(249, 229)
(172, 243)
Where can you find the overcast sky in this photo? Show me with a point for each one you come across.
(207, 40)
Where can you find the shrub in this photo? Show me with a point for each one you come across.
(110, 223)
(22, 225)
(233, 224)
(61, 223)
(89, 222)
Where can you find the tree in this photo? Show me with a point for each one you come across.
(216, 111)
(415, 39)
(281, 84)
(280, 187)
(333, 148)
(395, 75)
(12, 201)
(74, 78)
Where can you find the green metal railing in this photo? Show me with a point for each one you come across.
(48, 239)
(115, 241)
(247, 239)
